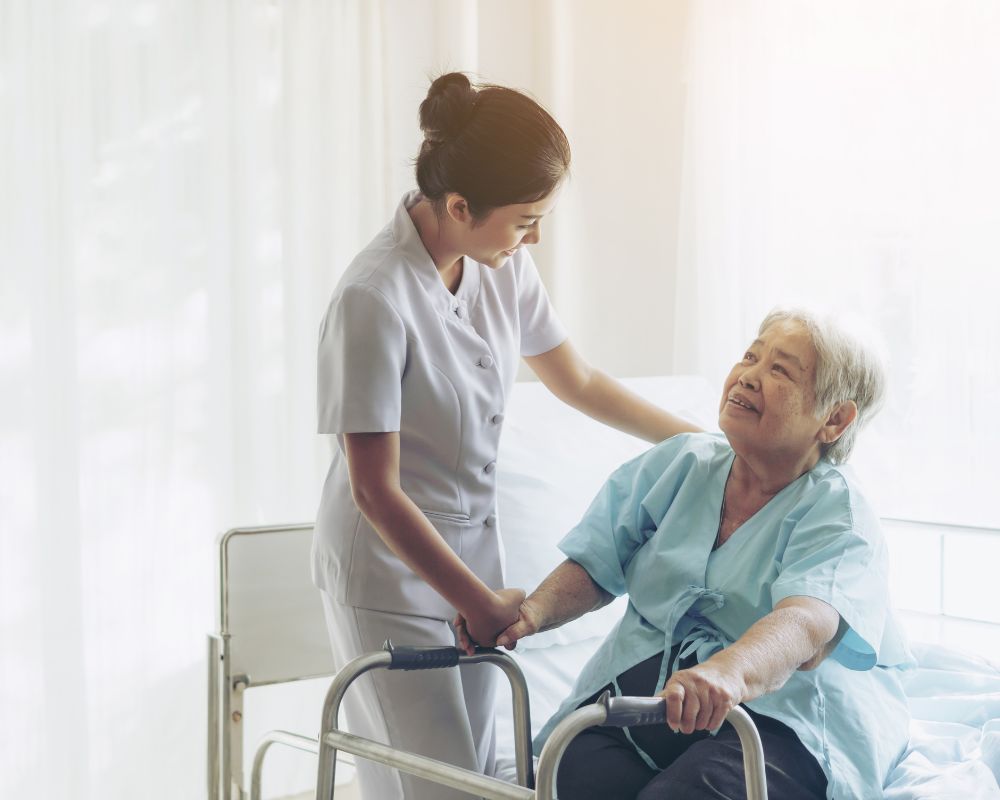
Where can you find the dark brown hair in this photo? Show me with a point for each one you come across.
(492, 145)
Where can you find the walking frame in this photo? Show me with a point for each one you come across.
(612, 711)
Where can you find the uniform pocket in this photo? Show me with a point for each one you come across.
(460, 519)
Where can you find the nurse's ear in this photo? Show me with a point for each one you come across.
(457, 207)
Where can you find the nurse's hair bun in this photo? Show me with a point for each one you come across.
(448, 107)
(492, 145)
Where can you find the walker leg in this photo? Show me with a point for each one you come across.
(410, 658)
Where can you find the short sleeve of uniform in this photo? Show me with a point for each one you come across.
(830, 558)
(541, 329)
(362, 355)
(618, 521)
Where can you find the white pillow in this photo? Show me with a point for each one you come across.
(552, 462)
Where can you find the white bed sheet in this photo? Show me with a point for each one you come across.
(954, 747)
(954, 751)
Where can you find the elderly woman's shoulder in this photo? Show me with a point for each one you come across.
(838, 488)
(839, 477)
(700, 447)
(701, 442)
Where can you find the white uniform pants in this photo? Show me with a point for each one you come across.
(445, 714)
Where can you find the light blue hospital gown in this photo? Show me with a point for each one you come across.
(649, 534)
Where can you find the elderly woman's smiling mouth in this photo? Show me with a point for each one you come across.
(740, 401)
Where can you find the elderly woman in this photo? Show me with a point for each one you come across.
(756, 575)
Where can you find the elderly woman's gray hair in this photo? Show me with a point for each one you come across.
(846, 369)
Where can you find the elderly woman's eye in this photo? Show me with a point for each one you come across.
(779, 368)
(748, 356)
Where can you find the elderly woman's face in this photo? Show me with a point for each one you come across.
(768, 400)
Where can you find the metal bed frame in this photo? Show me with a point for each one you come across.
(616, 711)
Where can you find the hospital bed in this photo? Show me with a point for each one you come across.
(551, 462)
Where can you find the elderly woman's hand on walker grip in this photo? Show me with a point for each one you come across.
(700, 697)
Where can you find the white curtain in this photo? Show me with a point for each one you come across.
(181, 184)
(843, 157)
(178, 179)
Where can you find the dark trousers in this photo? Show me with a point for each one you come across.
(601, 763)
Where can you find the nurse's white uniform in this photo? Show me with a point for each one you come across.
(399, 352)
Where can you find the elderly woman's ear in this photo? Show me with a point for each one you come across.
(838, 421)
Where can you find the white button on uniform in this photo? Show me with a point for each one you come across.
(491, 520)
(460, 312)
(496, 419)
(485, 362)
(488, 469)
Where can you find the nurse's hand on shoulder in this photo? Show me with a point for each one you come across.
(481, 626)
(699, 698)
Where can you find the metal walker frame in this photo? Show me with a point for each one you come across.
(615, 711)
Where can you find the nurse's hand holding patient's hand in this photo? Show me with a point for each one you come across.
(483, 625)
(529, 622)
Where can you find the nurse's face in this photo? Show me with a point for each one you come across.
(768, 401)
(493, 239)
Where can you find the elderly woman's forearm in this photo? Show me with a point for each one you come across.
(790, 637)
(567, 593)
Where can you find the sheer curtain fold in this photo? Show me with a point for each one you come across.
(40, 464)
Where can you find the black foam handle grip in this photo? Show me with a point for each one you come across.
(624, 712)
(423, 657)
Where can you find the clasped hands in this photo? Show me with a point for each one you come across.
(510, 618)
(698, 698)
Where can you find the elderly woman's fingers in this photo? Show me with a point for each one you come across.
(718, 716)
(689, 716)
(711, 713)
(683, 702)
(527, 625)
(673, 693)
(696, 700)
(709, 694)
(512, 634)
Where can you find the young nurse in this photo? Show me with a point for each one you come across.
(418, 352)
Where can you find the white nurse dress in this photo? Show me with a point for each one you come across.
(399, 352)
